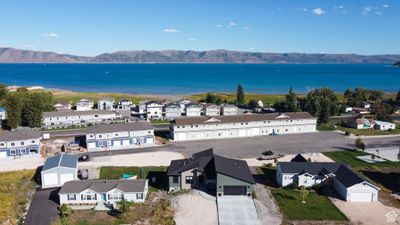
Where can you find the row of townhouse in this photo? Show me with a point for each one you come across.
(68, 118)
(17, 143)
(154, 110)
(245, 125)
(103, 104)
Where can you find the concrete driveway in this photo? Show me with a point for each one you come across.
(43, 208)
(237, 210)
(371, 213)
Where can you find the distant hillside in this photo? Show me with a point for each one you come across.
(10, 55)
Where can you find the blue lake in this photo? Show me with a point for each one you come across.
(195, 78)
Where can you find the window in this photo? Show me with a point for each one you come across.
(22, 143)
(116, 135)
(139, 196)
(89, 196)
(115, 196)
(175, 180)
(22, 151)
(2, 144)
(13, 152)
(91, 136)
(96, 116)
(33, 141)
(100, 136)
(71, 197)
(189, 179)
(12, 144)
(100, 144)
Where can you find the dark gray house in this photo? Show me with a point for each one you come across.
(206, 170)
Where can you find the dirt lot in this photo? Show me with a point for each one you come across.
(194, 209)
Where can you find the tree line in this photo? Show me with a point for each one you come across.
(25, 108)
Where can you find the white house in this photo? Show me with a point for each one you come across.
(139, 110)
(192, 109)
(58, 119)
(154, 110)
(172, 111)
(103, 192)
(228, 110)
(105, 104)
(119, 136)
(211, 110)
(59, 169)
(18, 143)
(183, 103)
(382, 125)
(360, 123)
(125, 104)
(84, 105)
(350, 186)
(246, 125)
(63, 106)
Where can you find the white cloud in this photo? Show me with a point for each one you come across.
(232, 24)
(319, 11)
(385, 6)
(51, 35)
(193, 39)
(219, 25)
(339, 9)
(367, 10)
(170, 30)
(303, 9)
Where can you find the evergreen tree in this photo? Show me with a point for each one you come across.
(253, 103)
(291, 103)
(33, 109)
(210, 98)
(13, 106)
(240, 95)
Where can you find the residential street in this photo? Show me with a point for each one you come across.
(43, 208)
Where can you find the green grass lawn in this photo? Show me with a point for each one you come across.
(113, 172)
(317, 207)
(368, 132)
(350, 158)
(325, 127)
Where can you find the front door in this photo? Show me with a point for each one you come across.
(104, 197)
(201, 179)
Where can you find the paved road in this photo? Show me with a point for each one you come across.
(43, 208)
(254, 146)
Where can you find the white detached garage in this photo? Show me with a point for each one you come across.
(59, 169)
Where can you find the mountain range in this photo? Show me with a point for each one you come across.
(12, 55)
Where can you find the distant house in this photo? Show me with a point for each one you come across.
(211, 110)
(154, 110)
(183, 103)
(125, 104)
(139, 110)
(103, 193)
(19, 143)
(350, 186)
(360, 123)
(63, 106)
(118, 136)
(192, 109)
(229, 110)
(59, 119)
(366, 105)
(206, 170)
(59, 169)
(172, 111)
(84, 105)
(382, 125)
(3, 114)
(105, 104)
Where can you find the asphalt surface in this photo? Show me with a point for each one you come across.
(253, 147)
(43, 208)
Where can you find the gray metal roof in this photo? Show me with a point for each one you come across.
(61, 160)
(76, 113)
(102, 186)
(118, 127)
(17, 135)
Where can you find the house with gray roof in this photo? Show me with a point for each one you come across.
(18, 143)
(59, 169)
(105, 104)
(172, 111)
(347, 183)
(119, 136)
(84, 105)
(68, 118)
(206, 170)
(103, 192)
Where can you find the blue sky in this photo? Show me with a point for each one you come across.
(90, 27)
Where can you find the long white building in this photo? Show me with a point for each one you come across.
(58, 119)
(119, 136)
(246, 125)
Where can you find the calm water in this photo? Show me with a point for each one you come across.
(194, 78)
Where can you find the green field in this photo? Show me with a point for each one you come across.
(350, 158)
(317, 206)
(14, 194)
(113, 172)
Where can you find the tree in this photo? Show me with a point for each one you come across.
(3, 91)
(322, 103)
(291, 103)
(124, 206)
(141, 173)
(383, 112)
(13, 106)
(303, 194)
(397, 101)
(359, 144)
(253, 103)
(219, 100)
(210, 98)
(240, 95)
(33, 110)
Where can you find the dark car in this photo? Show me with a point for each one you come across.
(261, 158)
(268, 153)
(84, 158)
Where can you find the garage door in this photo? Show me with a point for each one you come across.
(361, 197)
(234, 190)
(149, 140)
(66, 177)
(50, 179)
(3, 154)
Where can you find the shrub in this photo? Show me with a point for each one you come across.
(64, 210)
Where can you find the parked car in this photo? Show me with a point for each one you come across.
(268, 152)
(84, 158)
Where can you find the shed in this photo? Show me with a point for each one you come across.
(59, 169)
